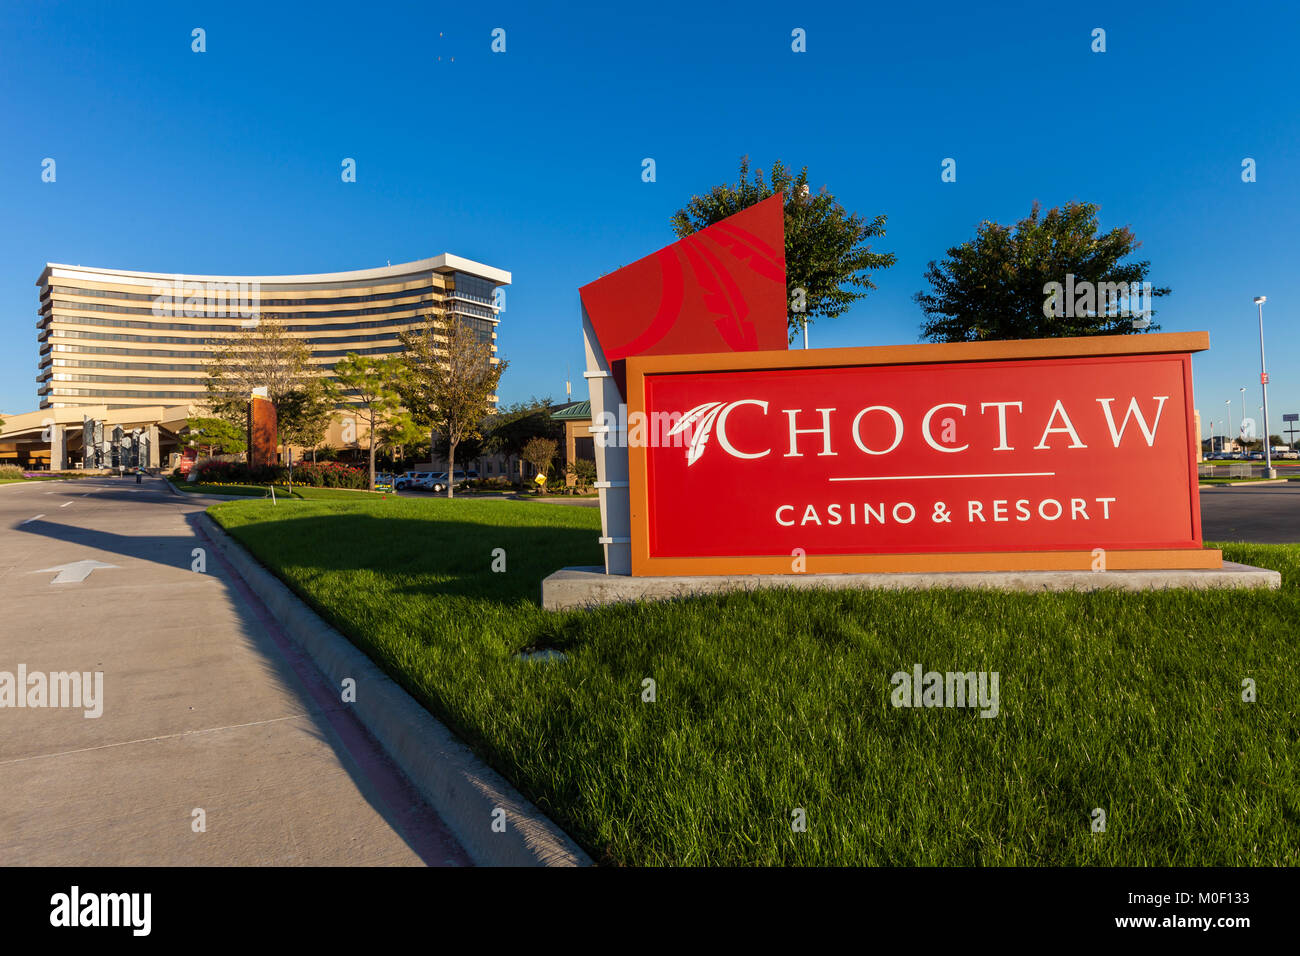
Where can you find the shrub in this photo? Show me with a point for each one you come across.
(215, 471)
(10, 471)
(330, 474)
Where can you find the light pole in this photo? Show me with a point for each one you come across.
(1263, 384)
(1228, 434)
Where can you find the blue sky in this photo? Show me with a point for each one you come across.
(228, 161)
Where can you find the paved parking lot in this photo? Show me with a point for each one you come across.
(1264, 514)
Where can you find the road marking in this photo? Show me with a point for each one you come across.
(65, 504)
(74, 573)
(30, 520)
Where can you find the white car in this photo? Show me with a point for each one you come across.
(439, 482)
(414, 479)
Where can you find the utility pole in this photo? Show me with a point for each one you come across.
(1263, 384)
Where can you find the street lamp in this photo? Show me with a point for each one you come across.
(1228, 434)
(1263, 384)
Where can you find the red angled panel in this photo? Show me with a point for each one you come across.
(721, 289)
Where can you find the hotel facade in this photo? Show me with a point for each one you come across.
(131, 349)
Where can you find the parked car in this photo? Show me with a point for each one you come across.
(439, 482)
(414, 479)
(1289, 455)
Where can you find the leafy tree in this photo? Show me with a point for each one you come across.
(509, 429)
(260, 355)
(450, 381)
(999, 285)
(400, 431)
(213, 436)
(540, 452)
(827, 252)
(305, 412)
(371, 384)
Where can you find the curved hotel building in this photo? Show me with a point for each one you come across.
(132, 347)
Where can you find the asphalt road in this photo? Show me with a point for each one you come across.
(206, 706)
(1264, 514)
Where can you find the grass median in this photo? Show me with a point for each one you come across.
(772, 702)
(301, 492)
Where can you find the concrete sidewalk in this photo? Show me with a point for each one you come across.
(206, 707)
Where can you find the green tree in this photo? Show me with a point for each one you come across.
(1011, 282)
(304, 414)
(371, 385)
(540, 452)
(510, 428)
(827, 250)
(262, 355)
(214, 436)
(451, 379)
(399, 432)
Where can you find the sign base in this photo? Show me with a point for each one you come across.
(590, 586)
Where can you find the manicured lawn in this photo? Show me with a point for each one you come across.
(305, 492)
(778, 700)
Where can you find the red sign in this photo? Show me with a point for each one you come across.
(721, 289)
(814, 455)
(1263, 378)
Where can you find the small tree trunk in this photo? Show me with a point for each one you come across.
(372, 457)
(451, 468)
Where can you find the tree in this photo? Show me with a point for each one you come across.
(265, 355)
(215, 436)
(827, 253)
(1015, 282)
(304, 413)
(540, 452)
(400, 431)
(370, 384)
(509, 429)
(450, 380)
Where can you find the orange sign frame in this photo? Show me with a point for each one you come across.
(639, 367)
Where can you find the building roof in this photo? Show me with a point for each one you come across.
(443, 263)
(574, 411)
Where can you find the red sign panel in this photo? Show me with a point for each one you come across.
(721, 289)
(1067, 454)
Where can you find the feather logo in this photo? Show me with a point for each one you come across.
(699, 423)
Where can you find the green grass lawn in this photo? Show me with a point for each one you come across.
(771, 701)
(304, 492)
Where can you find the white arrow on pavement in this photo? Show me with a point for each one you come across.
(75, 572)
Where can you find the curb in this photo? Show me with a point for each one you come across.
(463, 790)
(1247, 484)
